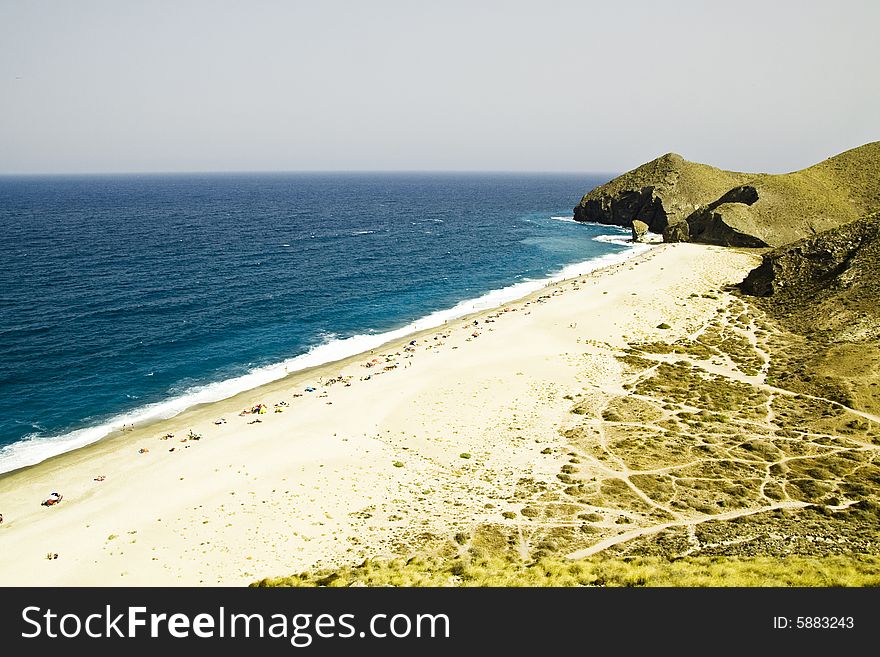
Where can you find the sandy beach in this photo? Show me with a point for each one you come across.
(432, 443)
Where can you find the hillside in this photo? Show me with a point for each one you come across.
(689, 201)
(824, 291)
(826, 283)
(662, 192)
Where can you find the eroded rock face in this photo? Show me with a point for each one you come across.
(639, 230)
(726, 224)
(829, 282)
(621, 209)
(832, 259)
(728, 221)
(745, 194)
(677, 232)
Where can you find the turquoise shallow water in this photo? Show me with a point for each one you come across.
(130, 297)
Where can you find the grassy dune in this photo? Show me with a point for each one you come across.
(856, 570)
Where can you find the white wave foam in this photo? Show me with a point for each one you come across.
(610, 239)
(33, 449)
(614, 239)
(624, 238)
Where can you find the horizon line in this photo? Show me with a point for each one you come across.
(32, 174)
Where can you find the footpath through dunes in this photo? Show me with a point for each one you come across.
(689, 201)
(680, 444)
(415, 453)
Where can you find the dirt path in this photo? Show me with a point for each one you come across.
(724, 464)
(654, 529)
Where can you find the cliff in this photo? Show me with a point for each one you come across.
(828, 282)
(662, 192)
(822, 295)
(688, 201)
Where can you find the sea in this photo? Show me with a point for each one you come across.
(129, 298)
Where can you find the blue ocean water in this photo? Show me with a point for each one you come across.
(130, 297)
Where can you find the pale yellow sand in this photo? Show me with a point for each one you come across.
(318, 482)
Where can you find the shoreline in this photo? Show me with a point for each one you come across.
(347, 472)
(111, 428)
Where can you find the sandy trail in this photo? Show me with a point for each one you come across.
(656, 529)
(722, 366)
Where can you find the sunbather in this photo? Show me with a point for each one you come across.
(53, 499)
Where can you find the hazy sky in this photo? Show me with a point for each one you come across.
(184, 85)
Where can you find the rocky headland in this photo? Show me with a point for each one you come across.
(689, 201)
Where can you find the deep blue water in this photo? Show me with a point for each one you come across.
(121, 292)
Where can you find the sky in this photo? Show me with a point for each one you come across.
(261, 85)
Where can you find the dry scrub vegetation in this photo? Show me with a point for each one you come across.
(696, 467)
